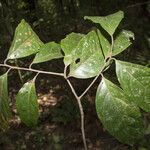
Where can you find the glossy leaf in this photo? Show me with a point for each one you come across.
(4, 99)
(48, 52)
(119, 116)
(109, 23)
(90, 57)
(27, 105)
(135, 81)
(122, 41)
(69, 45)
(25, 42)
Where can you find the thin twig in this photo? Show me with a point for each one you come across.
(89, 86)
(32, 70)
(35, 77)
(8, 70)
(5, 61)
(19, 72)
(80, 109)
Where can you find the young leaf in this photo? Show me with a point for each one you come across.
(4, 100)
(25, 42)
(135, 81)
(119, 116)
(27, 105)
(109, 23)
(122, 42)
(69, 45)
(90, 57)
(48, 52)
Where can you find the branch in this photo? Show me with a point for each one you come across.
(32, 70)
(80, 108)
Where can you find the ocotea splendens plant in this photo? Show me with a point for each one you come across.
(118, 108)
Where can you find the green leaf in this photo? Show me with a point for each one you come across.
(4, 99)
(135, 81)
(25, 42)
(119, 116)
(105, 45)
(90, 57)
(27, 105)
(69, 45)
(122, 42)
(48, 52)
(109, 23)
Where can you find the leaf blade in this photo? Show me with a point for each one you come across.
(105, 45)
(4, 99)
(69, 45)
(90, 55)
(135, 80)
(25, 42)
(119, 116)
(109, 23)
(48, 52)
(122, 42)
(27, 105)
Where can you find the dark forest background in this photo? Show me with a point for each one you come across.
(52, 20)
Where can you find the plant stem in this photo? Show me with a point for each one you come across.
(89, 87)
(19, 72)
(32, 70)
(80, 109)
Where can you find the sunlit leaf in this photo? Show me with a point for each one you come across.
(4, 99)
(122, 41)
(27, 105)
(135, 81)
(119, 116)
(90, 57)
(25, 42)
(48, 52)
(69, 45)
(109, 23)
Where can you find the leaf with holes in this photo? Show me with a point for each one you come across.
(27, 105)
(69, 45)
(118, 115)
(48, 52)
(25, 42)
(122, 41)
(135, 81)
(109, 23)
(4, 99)
(91, 59)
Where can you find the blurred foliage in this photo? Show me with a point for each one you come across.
(65, 112)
